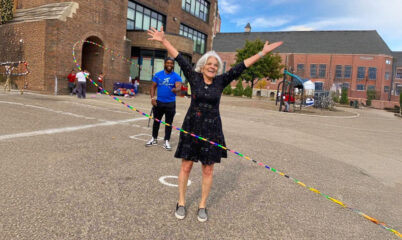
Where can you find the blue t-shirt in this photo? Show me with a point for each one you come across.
(165, 83)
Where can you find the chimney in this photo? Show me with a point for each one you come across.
(247, 28)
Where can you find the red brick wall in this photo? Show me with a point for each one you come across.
(331, 60)
(31, 50)
(53, 40)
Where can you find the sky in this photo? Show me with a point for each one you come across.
(384, 16)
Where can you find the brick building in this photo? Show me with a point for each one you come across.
(396, 87)
(43, 33)
(358, 60)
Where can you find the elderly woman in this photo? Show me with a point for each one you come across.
(203, 118)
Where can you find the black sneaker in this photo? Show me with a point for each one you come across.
(180, 212)
(202, 214)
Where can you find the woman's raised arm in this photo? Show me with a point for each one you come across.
(267, 48)
(160, 37)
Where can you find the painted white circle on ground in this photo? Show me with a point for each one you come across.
(163, 181)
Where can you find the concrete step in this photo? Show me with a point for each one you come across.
(59, 11)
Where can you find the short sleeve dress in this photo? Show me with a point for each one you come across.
(203, 117)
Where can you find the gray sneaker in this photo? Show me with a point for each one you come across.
(180, 211)
(151, 142)
(167, 145)
(202, 214)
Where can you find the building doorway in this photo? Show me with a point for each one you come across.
(92, 60)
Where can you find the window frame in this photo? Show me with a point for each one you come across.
(198, 8)
(199, 38)
(151, 15)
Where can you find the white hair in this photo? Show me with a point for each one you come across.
(203, 60)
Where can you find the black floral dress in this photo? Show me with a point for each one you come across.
(203, 118)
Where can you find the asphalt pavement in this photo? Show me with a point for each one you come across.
(78, 169)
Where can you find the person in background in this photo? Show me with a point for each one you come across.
(71, 81)
(168, 84)
(82, 83)
(101, 78)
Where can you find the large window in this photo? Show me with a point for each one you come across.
(345, 85)
(318, 86)
(313, 70)
(361, 71)
(360, 87)
(323, 69)
(372, 73)
(386, 89)
(387, 75)
(398, 89)
(198, 8)
(398, 73)
(371, 87)
(145, 63)
(300, 69)
(142, 18)
(348, 72)
(199, 38)
(338, 71)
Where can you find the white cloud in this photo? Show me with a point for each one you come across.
(228, 7)
(384, 16)
(262, 22)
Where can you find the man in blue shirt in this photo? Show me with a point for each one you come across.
(168, 83)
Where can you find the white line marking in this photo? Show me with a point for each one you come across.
(51, 110)
(162, 180)
(67, 129)
(136, 137)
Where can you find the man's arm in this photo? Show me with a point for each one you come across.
(152, 91)
(177, 88)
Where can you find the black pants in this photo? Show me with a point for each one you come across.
(167, 109)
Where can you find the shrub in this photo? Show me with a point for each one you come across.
(344, 96)
(6, 10)
(227, 90)
(238, 91)
(248, 92)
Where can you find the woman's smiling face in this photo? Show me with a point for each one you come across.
(210, 68)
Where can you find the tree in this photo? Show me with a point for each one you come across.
(269, 66)
(6, 10)
(238, 91)
(261, 84)
(344, 96)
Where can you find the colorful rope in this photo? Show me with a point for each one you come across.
(381, 224)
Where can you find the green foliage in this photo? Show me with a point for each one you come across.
(400, 104)
(344, 96)
(269, 66)
(6, 10)
(248, 92)
(238, 91)
(227, 90)
(335, 98)
(370, 96)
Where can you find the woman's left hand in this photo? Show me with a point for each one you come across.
(269, 47)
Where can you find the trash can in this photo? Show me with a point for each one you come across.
(356, 104)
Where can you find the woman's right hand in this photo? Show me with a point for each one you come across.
(156, 35)
(153, 102)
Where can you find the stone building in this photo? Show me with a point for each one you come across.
(43, 33)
